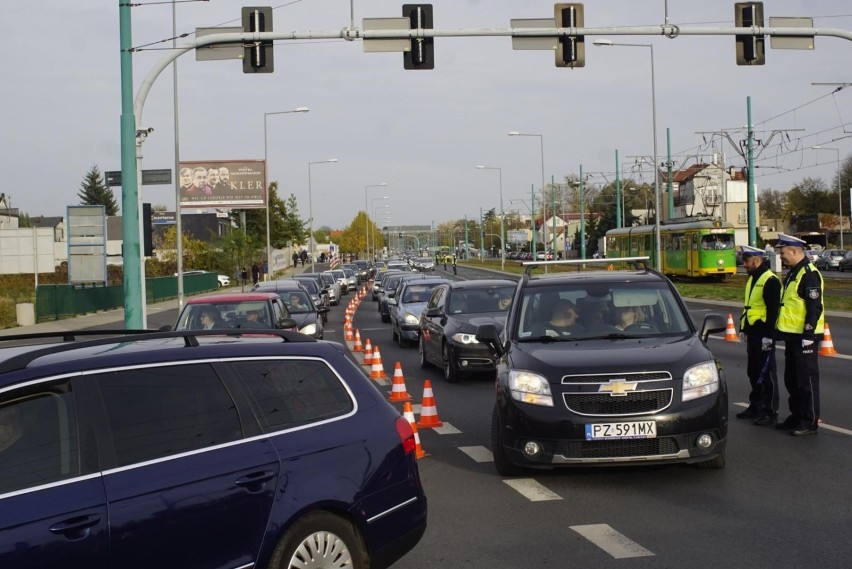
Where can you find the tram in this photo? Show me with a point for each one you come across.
(694, 247)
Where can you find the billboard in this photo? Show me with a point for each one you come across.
(234, 184)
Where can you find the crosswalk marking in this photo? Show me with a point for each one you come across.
(614, 543)
(532, 490)
(446, 429)
(478, 453)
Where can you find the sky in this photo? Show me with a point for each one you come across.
(421, 132)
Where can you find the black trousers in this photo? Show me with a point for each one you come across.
(801, 378)
(762, 375)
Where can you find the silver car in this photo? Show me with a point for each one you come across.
(830, 259)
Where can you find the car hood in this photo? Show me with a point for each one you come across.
(304, 318)
(587, 357)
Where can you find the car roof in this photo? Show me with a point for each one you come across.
(280, 284)
(480, 283)
(231, 297)
(593, 276)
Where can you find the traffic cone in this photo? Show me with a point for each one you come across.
(347, 331)
(731, 331)
(377, 371)
(428, 410)
(826, 346)
(368, 353)
(408, 413)
(358, 347)
(398, 391)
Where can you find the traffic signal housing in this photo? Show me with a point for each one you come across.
(571, 50)
(257, 55)
(751, 50)
(422, 52)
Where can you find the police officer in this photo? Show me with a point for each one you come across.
(454, 265)
(757, 323)
(800, 325)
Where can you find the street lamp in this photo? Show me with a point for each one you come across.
(543, 199)
(375, 215)
(502, 216)
(266, 182)
(605, 42)
(366, 221)
(311, 209)
(839, 193)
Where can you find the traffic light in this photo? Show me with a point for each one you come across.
(571, 50)
(147, 231)
(257, 56)
(422, 52)
(751, 50)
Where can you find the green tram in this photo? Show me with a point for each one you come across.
(691, 247)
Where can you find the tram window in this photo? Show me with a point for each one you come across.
(717, 242)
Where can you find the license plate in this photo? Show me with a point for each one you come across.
(611, 431)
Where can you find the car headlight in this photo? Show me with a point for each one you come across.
(700, 380)
(464, 338)
(309, 330)
(529, 387)
(411, 319)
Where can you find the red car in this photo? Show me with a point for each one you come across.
(235, 311)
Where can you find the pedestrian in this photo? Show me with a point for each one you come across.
(800, 326)
(454, 265)
(295, 259)
(255, 273)
(244, 276)
(761, 304)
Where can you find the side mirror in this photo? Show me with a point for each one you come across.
(434, 312)
(391, 301)
(288, 324)
(487, 334)
(713, 324)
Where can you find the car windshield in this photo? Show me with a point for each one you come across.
(310, 284)
(297, 301)
(599, 310)
(418, 292)
(477, 300)
(248, 314)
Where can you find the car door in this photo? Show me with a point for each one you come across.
(52, 505)
(433, 326)
(185, 489)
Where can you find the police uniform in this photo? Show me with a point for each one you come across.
(761, 304)
(800, 326)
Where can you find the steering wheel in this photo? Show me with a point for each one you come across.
(642, 326)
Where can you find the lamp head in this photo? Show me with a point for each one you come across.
(301, 110)
(603, 42)
(514, 133)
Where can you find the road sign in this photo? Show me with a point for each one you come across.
(385, 45)
(220, 51)
(149, 177)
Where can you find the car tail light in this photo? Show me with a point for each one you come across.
(406, 435)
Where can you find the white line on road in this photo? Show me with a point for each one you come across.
(478, 453)
(446, 429)
(614, 543)
(780, 346)
(532, 490)
(825, 426)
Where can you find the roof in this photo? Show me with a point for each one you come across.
(594, 276)
(282, 284)
(480, 283)
(231, 297)
(41, 221)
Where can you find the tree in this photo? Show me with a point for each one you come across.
(810, 196)
(94, 192)
(772, 204)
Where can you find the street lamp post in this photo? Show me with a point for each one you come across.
(266, 182)
(367, 221)
(311, 210)
(375, 210)
(502, 216)
(543, 199)
(839, 193)
(605, 42)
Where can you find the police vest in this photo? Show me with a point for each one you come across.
(754, 308)
(791, 318)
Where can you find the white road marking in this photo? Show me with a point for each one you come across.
(825, 426)
(780, 346)
(614, 543)
(532, 490)
(446, 429)
(478, 453)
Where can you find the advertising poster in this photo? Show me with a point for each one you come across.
(233, 184)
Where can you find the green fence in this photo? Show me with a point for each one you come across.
(54, 302)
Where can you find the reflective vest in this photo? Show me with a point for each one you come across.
(791, 318)
(754, 308)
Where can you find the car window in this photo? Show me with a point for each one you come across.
(297, 302)
(161, 411)
(38, 439)
(490, 299)
(418, 292)
(289, 393)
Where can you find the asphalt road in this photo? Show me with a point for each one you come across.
(781, 502)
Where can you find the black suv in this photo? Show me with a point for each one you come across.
(200, 449)
(605, 367)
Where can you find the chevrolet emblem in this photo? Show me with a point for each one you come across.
(617, 387)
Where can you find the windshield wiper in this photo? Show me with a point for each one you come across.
(549, 339)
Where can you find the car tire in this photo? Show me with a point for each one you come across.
(385, 318)
(328, 540)
(450, 373)
(403, 343)
(394, 335)
(424, 361)
(715, 463)
(501, 462)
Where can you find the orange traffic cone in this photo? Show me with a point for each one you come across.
(377, 371)
(347, 331)
(368, 353)
(428, 410)
(826, 346)
(398, 391)
(358, 347)
(731, 331)
(408, 413)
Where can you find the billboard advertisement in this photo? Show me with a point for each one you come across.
(234, 184)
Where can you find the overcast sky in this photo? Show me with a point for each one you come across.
(421, 132)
